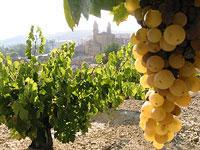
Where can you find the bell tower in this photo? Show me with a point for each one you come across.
(95, 31)
(109, 28)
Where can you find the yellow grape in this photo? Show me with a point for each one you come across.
(154, 35)
(141, 48)
(157, 145)
(166, 46)
(187, 69)
(132, 5)
(176, 111)
(150, 80)
(158, 113)
(170, 97)
(184, 100)
(156, 99)
(148, 138)
(162, 92)
(168, 106)
(142, 124)
(174, 34)
(141, 34)
(178, 88)
(153, 47)
(145, 9)
(188, 82)
(196, 85)
(161, 129)
(147, 94)
(168, 119)
(135, 53)
(164, 79)
(197, 61)
(161, 139)
(138, 14)
(155, 63)
(150, 124)
(139, 67)
(176, 61)
(175, 126)
(143, 81)
(180, 19)
(147, 109)
(149, 132)
(153, 18)
(134, 39)
(143, 118)
(197, 3)
(170, 136)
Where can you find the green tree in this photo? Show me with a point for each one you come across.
(113, 47)
(14, 55)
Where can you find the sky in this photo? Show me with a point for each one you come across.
(17, 16)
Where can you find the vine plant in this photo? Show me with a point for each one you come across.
(37, 97)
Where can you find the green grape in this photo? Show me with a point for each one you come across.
(154, 35)
(164, 79)
(156, 99)
(153, 18)
(178, 88)
(174, 34)
(155, 63)
(158, 113)
(141, 34)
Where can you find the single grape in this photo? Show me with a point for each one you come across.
(168, 106)
(176, 61)
(184, 100)
(147, 109)
(178, 88)
(164, 79)
(156, 99)
(154, 35)
(174, 34)
(141, 34)
(180, 19)
(155, 63)
(153, 18)
(158, 113)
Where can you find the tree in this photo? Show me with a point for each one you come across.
(113, 47)
(14, 55)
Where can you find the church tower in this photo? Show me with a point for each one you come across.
(109, 28)
(95, 31)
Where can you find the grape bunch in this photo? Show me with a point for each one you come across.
(167, 52)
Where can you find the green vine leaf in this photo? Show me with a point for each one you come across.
(120, 13)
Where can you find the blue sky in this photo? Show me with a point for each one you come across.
(18, 15)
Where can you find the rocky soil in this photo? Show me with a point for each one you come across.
(120, 130)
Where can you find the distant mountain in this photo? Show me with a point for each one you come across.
(76, 35)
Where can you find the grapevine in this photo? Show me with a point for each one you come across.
(167, 52)
(37, 97)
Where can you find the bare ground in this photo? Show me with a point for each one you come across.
(120, 130)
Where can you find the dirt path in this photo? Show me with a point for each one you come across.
(120, 130)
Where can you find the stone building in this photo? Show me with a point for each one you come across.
(101, 40)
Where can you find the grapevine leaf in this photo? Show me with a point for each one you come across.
(9, 60)
(74, 8)
(23, 114)
(16, 107)
(120, 13)
(99, 58)
(68, 15)
(1, 57)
